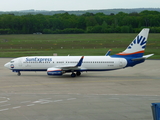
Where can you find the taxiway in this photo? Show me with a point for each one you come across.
(124, 94)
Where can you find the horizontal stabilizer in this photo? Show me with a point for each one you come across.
(142, 58)
(147, 56)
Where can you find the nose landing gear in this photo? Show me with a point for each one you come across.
(19, 73)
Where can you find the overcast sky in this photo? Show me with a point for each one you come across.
(12, 5)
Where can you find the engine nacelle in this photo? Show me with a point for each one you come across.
(54, 71)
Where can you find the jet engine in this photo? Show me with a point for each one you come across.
(54, 71)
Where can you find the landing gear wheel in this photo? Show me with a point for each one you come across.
(19, 73)
(78, 73)
(73, 75)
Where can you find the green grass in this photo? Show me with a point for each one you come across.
(72, 44)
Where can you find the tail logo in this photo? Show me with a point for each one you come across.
(139, 40)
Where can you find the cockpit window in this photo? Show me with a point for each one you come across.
(12, 62)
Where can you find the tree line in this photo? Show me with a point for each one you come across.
(86, 23)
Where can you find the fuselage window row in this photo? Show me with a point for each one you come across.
(76, 62)
(36, 62)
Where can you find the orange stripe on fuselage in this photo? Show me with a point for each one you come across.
(122, 53)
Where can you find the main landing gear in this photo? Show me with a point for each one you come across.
(77, 74)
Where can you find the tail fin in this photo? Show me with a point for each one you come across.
(137, 46)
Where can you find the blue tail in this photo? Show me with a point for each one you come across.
(135, 51)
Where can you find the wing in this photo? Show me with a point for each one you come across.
(59, 70)
(72, 66)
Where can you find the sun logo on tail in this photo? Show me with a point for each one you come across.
(139, 41)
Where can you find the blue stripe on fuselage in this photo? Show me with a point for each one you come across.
(130, 62)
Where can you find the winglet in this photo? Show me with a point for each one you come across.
(108, 53)
(80, 62)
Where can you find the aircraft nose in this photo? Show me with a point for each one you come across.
(7, 65)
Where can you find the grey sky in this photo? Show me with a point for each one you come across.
(11, 5)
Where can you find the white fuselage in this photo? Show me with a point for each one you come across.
(58, 65)
(42, 63)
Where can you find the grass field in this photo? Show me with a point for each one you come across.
(72, 44)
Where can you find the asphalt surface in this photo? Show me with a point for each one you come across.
(124, 94)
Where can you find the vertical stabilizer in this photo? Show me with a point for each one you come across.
(137, 46)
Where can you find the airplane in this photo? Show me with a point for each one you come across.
(59, 65)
